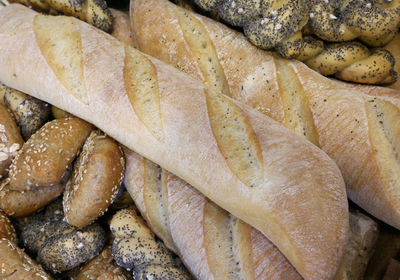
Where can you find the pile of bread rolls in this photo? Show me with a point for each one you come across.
(240, 163)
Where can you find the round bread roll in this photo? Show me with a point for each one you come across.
(10, 139)
(66, 251)
(44, 158)
(97, 175)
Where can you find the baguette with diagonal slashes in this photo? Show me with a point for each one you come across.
(356, 125)
(242, 160)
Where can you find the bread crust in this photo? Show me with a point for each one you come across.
(338, 117)
(211, 243)
(10, 139)
(285, 204)
(44, 158)
(16, 264)
(95, 181)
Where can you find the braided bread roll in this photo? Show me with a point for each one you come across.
(355, 125)
(245, 162)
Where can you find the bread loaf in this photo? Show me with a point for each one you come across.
(211, 242)
(215, 245)
(242, 160)
(355, 125)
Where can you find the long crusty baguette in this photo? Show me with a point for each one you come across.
(242, 160)
(212, 243)
(355, 125)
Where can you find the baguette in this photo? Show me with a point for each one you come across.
(355, 125)
(212, 243)
(242, 160)
(215, 245)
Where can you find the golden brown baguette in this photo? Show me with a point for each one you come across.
(242, 160)
(215, 245)
(359, 132)
(212, 243)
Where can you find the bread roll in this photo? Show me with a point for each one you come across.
(360, 132)
(16, 264)
(242, 160)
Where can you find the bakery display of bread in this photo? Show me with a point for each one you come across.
(296, 199)
(355, 125)
(243, 170)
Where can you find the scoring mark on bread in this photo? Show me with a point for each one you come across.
(384, 134)
(60, 43)
(203, 49)
(236, 139)
(154, 193)
(140, 78)
(298, 116)
(218, 240)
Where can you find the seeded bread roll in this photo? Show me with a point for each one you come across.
(30, 113)
(70, 249)
(355, 125)
(135, 248)
(35, 233)
(44, 158)
(15, 264)
(245, 162)
(6, 228)
(96, 179)
(10, 140)
(24, 203)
